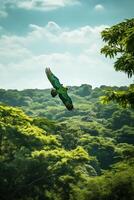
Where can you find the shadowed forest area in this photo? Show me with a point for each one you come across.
(50, 153)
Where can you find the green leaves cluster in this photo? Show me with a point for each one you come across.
(120, 42)
(124, 98)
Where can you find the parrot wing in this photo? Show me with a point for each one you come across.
(67, 101)
(53, 79)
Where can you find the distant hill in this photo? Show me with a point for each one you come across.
(36, 102)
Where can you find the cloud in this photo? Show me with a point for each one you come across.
(99, 7)
(41, 5)
(37, 5)
(50, 39)
(52, 26)
(53, 33)
(73, 55)
(56, 38)
(83, 35)
(45, 4)
(3, 14)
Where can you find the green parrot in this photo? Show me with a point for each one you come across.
(59, 89)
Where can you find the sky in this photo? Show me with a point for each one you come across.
(61, 34)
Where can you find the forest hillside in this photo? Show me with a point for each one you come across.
(49, 153)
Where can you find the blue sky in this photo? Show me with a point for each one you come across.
(61, 34)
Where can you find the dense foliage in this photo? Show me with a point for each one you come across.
(54, 154)
(119, 41)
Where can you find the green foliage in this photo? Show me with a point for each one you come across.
(120, 41)
(120, 118)
(102, 148)
(70, 155)
(124, 98)
(125, 135)
(84, 90)
(32, 161)
(117, 184)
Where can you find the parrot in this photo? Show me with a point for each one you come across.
(59, 89)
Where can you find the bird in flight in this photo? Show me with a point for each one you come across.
(59, 89)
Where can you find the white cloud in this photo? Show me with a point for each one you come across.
(83, 35)
(56, 38)
(73, 55)
(53, 33)
(3, 14)
(99, 7)
(52, 26)
(45, 4)
(42, 5)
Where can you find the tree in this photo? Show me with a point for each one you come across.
(120, 42)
